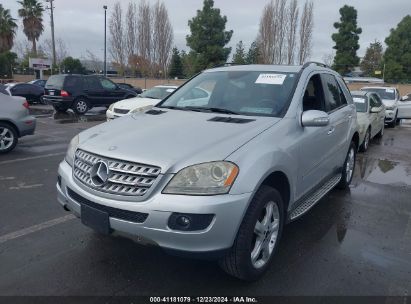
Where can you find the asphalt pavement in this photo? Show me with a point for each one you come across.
(355, 242)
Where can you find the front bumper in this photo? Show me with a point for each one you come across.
(218, 236)
(390, 115)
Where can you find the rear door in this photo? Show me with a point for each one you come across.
(377, 119)
(404, 109)
(341, 114)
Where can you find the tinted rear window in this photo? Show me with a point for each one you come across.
(55, 82)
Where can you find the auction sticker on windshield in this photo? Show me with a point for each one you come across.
(271, 78)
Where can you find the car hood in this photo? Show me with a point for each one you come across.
(389, 102)
(135, 102)
(173, 139)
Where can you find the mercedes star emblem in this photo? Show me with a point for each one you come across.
(99, 173)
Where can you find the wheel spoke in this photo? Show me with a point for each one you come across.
(4, 132)
(2, 145)
(266, 250)
(259, 229)
(256, 251)
(268, 214)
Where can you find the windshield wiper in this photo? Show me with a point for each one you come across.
(212, 109)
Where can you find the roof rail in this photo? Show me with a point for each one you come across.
(316, 63)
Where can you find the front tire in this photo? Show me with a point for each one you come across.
(8, 138)
(257, 237)
(348, 167)
(81, 106)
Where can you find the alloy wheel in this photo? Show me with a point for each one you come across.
(6, 138)
(265, 235)
(81, 106)
(350, 165)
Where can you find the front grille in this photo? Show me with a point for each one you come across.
(121, 111)
(125, 178)
(130, 216)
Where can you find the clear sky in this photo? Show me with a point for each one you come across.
(81, 22)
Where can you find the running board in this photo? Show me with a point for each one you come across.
(308, 202)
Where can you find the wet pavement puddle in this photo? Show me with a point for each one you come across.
(384, 171)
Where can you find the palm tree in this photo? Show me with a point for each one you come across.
(32, 14)
(7, 30)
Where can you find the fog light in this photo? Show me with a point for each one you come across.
(189, 221)
(183, 221)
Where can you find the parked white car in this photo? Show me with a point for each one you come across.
(404, 107)
(370, 116)
(144, 101)
(390, 97)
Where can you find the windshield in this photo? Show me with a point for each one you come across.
(236, 92)
(360, 103)
(157, 92)
(385, 93)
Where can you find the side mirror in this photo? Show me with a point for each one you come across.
(374, 110)
(314, 118)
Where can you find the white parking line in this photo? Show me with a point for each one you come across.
(35, 228)
(30, 158)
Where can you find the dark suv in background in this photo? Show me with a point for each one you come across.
(81, 92)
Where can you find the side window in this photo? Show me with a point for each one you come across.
(377, 100)
(313, 95)
(92, 83)
(107, 84)
(373, 102)
(332, 93)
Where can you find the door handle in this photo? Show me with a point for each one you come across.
(331, 131)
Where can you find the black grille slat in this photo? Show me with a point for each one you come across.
(130, 216)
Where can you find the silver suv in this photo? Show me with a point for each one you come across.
(217, 176)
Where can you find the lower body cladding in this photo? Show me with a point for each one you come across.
(198, 226)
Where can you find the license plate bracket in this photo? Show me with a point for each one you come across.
(95, 219)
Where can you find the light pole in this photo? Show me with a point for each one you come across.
(105, 40)
(52, 32)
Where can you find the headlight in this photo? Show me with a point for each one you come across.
(203, 179)
(71, 150)
(141, 109)
(111, 107)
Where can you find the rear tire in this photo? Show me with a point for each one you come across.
(81, 105)
(257, 238)
(381, 133)
(348, 167)
(8, 138)
(367, 138)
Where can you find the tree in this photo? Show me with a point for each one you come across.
(144, 28)
(162, 37)
(372, 60)
(176, 65)
(239, 55)
(117, 40)
(253, 55)
(292, 20)
(306, 30)
(277, 35)
(61, 50)
(346, 40)
(7, 62)
(8, 28)
(208, 37)
(397, 56)
(72, 66)
(32, 13)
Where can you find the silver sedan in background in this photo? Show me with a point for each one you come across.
(15, 121)
(370, 116)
